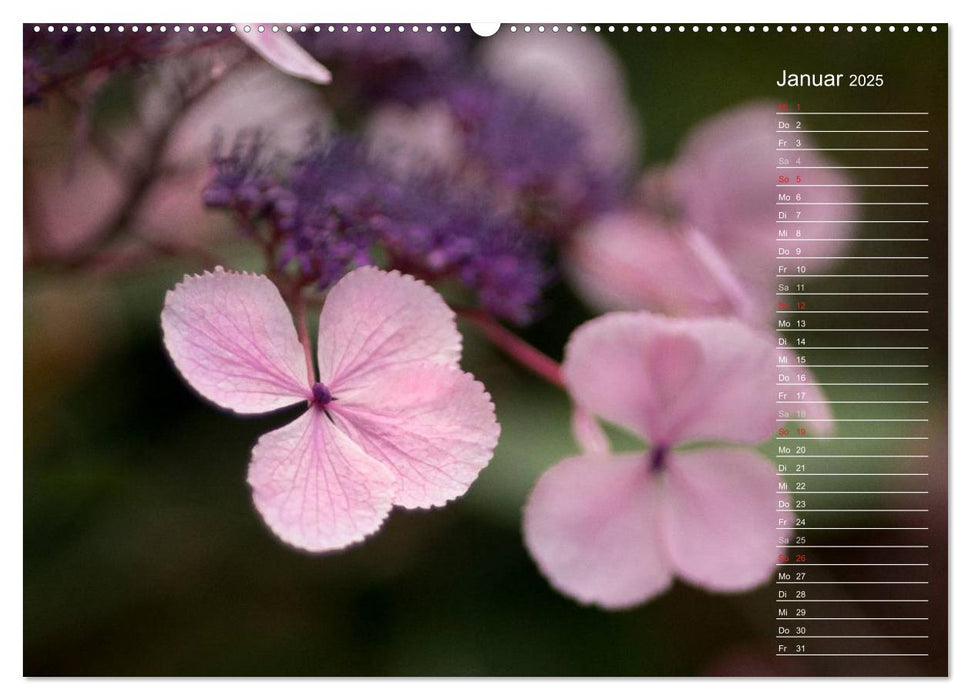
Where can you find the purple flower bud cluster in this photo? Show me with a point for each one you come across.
(517, 143)
(240, 177)
(334, 208)
(327, 210)
(519, 180)
(320, 209)
(442, 229)
(533, 152)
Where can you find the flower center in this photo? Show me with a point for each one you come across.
(322, 395)
(658, 455)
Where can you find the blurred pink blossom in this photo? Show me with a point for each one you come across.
(392, 421)
(74, 194)
(615, 529)
(701, 241)
(67, 201)
(415, 140)
(574, 74)
(252, 98)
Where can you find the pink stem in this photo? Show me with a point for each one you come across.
(514, 346)
(300, 311)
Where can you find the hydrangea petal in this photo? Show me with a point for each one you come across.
(232, 338)
(280, 50)
(434, 425)
(718, 517)
(374, 321)
(587, 432)
(632, 261)
(607, 368)
(592, 526)
(731, 159)
(673, 380)
(315, 488)
(732, 391)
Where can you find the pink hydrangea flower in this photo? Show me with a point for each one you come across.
(615, 529)
(705, 244)
(392, 421)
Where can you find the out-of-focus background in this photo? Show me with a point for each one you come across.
(143, 553)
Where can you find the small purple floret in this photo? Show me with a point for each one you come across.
(322, 395)
(658, 456)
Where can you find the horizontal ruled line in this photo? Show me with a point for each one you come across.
(859, 185)
(851, 636)
(879, 240)
(861, 347)
(856, 528)
(851, 167)
(800, 222)
(881, 564)
(851, 384)
(856, 618)
(856, 257)
(849, 456)
(859, 204)
(851, 149)
(805, 654)
(854, 294)
(853, 330)
(859, 510)
(852, 546)
(857, 437)
(851, 420)
(800, 475)
(857, 311)
(850, 257)
(848, 636)
(860, 276)
(851, 583)
(858, 366)
(849, 510)
(799, 113)
(851, 131)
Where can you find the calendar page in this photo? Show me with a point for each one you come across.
(485, 350)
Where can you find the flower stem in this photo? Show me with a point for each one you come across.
(300, 311)
(720, 270)
(515, 347)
